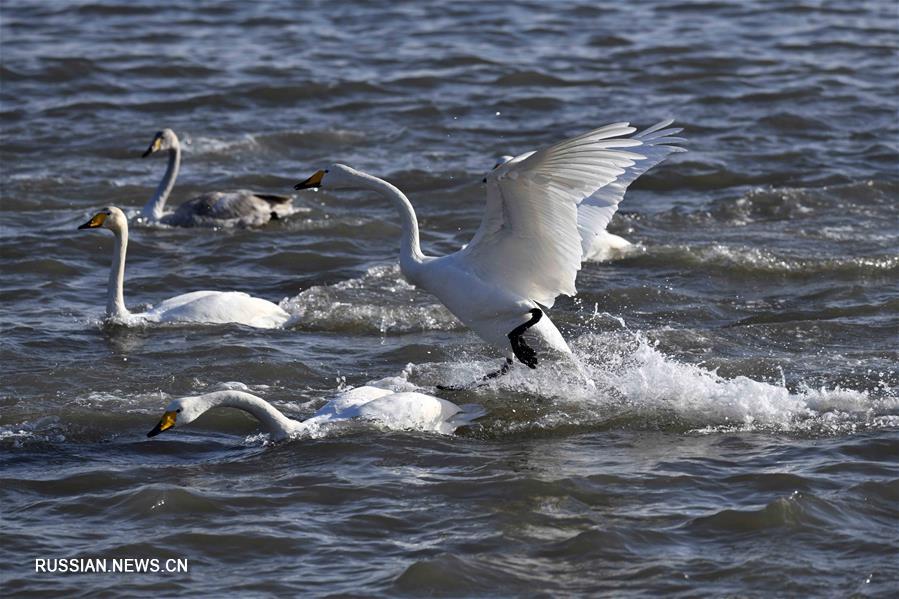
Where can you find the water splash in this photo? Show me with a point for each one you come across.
(639, 386)
(379, 302)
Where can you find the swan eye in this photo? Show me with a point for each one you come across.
(178, 411)
(484, 180)
(327, 171)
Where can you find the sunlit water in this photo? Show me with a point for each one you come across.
(742, 434)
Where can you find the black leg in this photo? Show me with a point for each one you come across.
(525, 354)
(505, 368)
(492, 375)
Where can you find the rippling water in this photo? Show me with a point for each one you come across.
(742, 438)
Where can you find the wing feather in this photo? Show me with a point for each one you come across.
(531, 239)
(596, 211)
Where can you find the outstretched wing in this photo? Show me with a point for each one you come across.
(595, 212)
(529, 240)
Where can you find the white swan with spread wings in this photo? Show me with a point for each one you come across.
(544, 211)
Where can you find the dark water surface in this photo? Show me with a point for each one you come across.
(742, 439)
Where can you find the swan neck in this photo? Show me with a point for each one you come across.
(115, 288)
(410, 249)
(274, 422)
(153, 209)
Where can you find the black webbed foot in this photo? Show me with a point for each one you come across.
(525, 353)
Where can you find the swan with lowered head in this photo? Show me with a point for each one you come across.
(198, 306)
(394, 411)
(239, 208)
(544, 210)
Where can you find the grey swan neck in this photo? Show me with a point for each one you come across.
(152, 211)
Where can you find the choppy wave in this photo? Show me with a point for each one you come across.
(272, 143)
(872, 199)
(634, 386)
(740, 260)
(379, 302)
(704, 464)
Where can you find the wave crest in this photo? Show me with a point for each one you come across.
(379, 302)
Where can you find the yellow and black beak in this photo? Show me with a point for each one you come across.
(313, 181)
(167, 422)
(154, 146)
(96, 221)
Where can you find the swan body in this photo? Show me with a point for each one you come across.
(486, 306)
(240, 208)
(545, 210)
(394, 411)
(198, 306)
(218, 307)
(490, 310)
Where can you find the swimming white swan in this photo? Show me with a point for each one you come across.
(544, 209)
(595, 212)
(198, 306)
(394, 411)
(240, 208)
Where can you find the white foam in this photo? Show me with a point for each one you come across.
(380, 301)
(636, 381)
(46, 428)
(217, 145)
(768, 261)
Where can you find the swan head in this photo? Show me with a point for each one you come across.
(107, 218)
(336, 176)
(164, 140)
(181, 411)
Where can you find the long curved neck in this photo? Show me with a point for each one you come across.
(153, 209)
(410, 249)
(274, 422)
(115, 288)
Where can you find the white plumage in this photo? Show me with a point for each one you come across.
(393, 411)
(198, 306)
(545, 210)
(532, 212)
(407, 410)
(595, 211)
